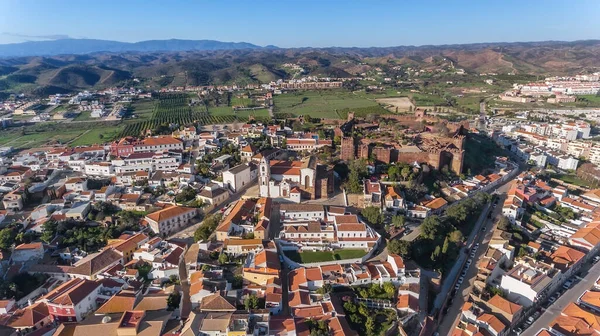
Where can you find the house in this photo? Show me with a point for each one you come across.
(170, 220)
(262, 267)
(76, 184)
(240, 177)
(372, 193)
(13, 201)
(28, 252)
(33, 317)
(213, 194)
(79, 211)
(394, 201)
(587, 238)
(527, 284)
(511, 312)
(73, 300)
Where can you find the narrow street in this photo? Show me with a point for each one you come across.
(571, 295)
(452, 316)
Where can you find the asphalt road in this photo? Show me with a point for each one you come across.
(451, 318)
(569, 296)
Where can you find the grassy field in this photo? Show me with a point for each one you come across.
(319, 256)
(421, 99)
(84, 115)
(573, 179)
(319, 104)
(227, 111)
(97, 136)
(241, 101)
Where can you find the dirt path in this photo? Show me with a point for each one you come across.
(77, 137)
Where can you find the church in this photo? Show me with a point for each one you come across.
(294, 180)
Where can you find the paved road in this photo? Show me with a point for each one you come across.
(451, 318)
(569, 296)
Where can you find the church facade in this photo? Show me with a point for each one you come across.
(294, 180)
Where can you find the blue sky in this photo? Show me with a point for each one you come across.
(313, 23)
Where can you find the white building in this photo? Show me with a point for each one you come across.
(240, 177)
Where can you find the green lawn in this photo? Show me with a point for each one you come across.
(319, 104)
(97, 136)
(220, 110)
(84, 115)
(573, 179)
(319, 256)
(241, 101)
(421, 99)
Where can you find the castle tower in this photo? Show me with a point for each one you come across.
(347, 150)
(264, 177)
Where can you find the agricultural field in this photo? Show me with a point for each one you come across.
(241, 102)
(403, 104)
(97, 136)
(228, 111)
(319, 104)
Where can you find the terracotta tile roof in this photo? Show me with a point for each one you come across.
(29, 317)
(493, 322)
(351, 227)
(436, 203)
(346, 219)
(314, 274)
(72, 292)
(297, 278)
(169, 213)
(565, 254)
(119, 303)
(592, 298)
(504, 305)
(30, 246)
(407, 301)
(573, 310)
(268, 259)
(95, 263)
(215, 302)
(152, 302)
(589, 234)
(165, 140)
(131, 243)
(299, 298)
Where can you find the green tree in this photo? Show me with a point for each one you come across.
(350, 307)
(7, 237)
(370, 325)
(405, 172)
(223, 259)
(337, 140)
(389, 289)
(399, 247)
(373, 215)
(398, 221)
(456, 236)
(446, 246)
(430, 227)
(504, 224)
(251, 302)
(173, 301)
(436, 253)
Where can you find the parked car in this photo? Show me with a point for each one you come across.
(552, 299)
(567, 284)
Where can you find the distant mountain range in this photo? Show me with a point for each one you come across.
(63, 66)
(86, 46)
